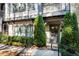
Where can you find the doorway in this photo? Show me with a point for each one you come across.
(54, 33)
(53, 36)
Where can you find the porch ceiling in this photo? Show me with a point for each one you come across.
(57, 22)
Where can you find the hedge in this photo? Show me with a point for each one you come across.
(16, 40)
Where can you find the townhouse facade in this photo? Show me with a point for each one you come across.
(17, 19)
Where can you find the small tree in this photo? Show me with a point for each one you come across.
(75, 29)
(66, 29)
(67, 19)
(67, 34)
(74, 22)
(39, 32)
(69, 40)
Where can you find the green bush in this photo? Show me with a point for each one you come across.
(16, 40)
(17, 44)
(29, 41)
(0, 38)
(68, 34)
(23, 41)
(70, 39)
(39, 32)
(74, 22)
(75, 30)
(4, 40)
(10, 40)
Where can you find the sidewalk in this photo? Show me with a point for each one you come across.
(32, 51)
(45, 53)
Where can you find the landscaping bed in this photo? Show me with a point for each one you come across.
(16, 40)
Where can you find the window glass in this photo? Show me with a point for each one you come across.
(16, 32)
(52, 6)
(9, 8)
(17, 7)
(24, 30)
(20, 7)
(31, 6)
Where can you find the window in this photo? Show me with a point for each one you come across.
(52, 6)
(30, 31)
(31, 6)
(24, 30)
(20, 7)
(16, 30)
(9, 8)
(17, 7)
(5, 27)
(2, 6)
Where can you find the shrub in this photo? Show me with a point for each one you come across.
(23, 41)
(4, 39)
(39, 32)
(74, 22)
(10, 40)
(29, 41)
(16, 40)
(0, 38)
(69, 40)
(75, 29)
(17, 44)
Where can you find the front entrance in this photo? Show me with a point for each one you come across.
(52, 33)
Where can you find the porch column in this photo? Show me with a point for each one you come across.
(10, 30)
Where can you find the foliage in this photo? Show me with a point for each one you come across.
(16, 40)
(4, 39)
(69, 40)
(17, 44)
(39, 32)
(74, 22)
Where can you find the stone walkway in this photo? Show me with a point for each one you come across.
(33, 51)
(41, 52)
(45, 53)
